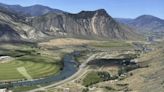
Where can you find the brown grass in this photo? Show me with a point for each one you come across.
(65, 42)
(148, 79)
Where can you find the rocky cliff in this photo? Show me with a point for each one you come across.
(86, 23)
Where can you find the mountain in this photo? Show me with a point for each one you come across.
(145, 23)
(95, 24)
(86, 24)
(35, 10)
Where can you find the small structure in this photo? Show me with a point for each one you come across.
(66, 90)
(150, 39)
(134, 60)
(3, 90)
(5, 59)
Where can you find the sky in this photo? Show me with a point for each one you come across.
(115, 8)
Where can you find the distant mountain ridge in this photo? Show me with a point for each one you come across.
(145, 23)
(34, 10)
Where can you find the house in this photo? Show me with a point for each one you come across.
(3, 90)
(150, 39)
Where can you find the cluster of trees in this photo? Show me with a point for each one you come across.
(104, 75)
(96, 77)
(125, 69)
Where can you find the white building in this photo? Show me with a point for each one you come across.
(3, 90)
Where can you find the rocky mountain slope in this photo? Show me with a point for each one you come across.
(13, 27)
(86, 24)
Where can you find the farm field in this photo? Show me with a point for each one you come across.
(28, 63)
(9, 71)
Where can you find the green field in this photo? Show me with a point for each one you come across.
(95, 77)
(23, 89)
(91, 78)
(8, 71)
(29, 62)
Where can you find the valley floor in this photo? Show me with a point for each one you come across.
(144, 72)
(149, 78)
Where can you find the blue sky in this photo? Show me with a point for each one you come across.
(116, 8)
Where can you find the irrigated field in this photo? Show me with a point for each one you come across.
(9, 71)
(28, 63)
